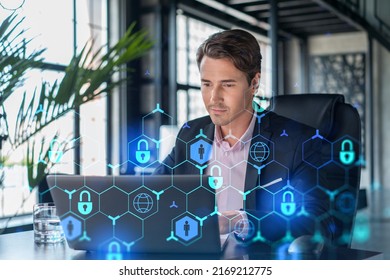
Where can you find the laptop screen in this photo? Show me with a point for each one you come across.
(156, 213)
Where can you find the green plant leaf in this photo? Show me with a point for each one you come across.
(87, 76)
(14, 61)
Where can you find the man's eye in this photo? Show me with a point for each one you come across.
(205, 84)
(229, 85)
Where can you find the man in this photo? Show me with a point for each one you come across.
(249, 149)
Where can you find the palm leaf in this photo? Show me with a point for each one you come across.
(14, 60)
(81, 83)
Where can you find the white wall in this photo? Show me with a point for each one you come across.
(338, 43)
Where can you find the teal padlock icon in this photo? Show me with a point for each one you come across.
(215, 182)
(114, 251)
(55, 156)
(347, 154)
(85, 207)
(288, 207)
(143, 156)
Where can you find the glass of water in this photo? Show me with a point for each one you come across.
(47, 225)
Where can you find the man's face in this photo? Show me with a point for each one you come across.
(226, 92)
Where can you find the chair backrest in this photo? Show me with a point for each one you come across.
(339, 123)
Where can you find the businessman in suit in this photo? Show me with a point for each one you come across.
(254, 187)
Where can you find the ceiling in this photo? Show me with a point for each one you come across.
(300, 18)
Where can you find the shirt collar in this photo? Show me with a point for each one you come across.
(241, 142)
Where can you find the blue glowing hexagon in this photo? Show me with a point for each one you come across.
(346, 202)
(346, 151)
(142, 151)
(143, 203)
(71, 227)
(200, 151)
(317, 151)
(259, 151)
(187, 228)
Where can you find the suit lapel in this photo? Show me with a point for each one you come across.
(209, 131)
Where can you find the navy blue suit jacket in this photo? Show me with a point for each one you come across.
(292, 158)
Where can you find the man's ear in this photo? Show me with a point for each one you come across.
(254, 84)
(256, 81)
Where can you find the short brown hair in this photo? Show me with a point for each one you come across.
(239, 46)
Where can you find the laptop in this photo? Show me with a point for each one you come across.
(143, 214)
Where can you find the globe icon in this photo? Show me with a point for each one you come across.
(244, 228)
(259, 151)
(143, 203)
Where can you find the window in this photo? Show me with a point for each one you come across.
(62, 27)
(190, 34)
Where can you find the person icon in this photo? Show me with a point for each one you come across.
(201, 151)
(186, 228)
(70, 227)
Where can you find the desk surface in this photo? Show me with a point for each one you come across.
(21, 246)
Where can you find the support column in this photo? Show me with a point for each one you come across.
(273, 34)
(304, 55)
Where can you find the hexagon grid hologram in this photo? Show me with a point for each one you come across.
(138, 206)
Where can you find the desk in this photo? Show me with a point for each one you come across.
(21, 246)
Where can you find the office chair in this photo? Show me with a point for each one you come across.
(336, 121)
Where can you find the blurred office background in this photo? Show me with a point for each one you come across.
(308, 46)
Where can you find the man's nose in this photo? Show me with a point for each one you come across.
(216, 94)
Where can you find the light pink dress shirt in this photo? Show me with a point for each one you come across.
(232, 162)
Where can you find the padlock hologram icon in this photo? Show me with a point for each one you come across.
(288, 207)
(347, 154)
(215, 182)
(55, 156)
(114, 251)
(142, 156)
(85, 207)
